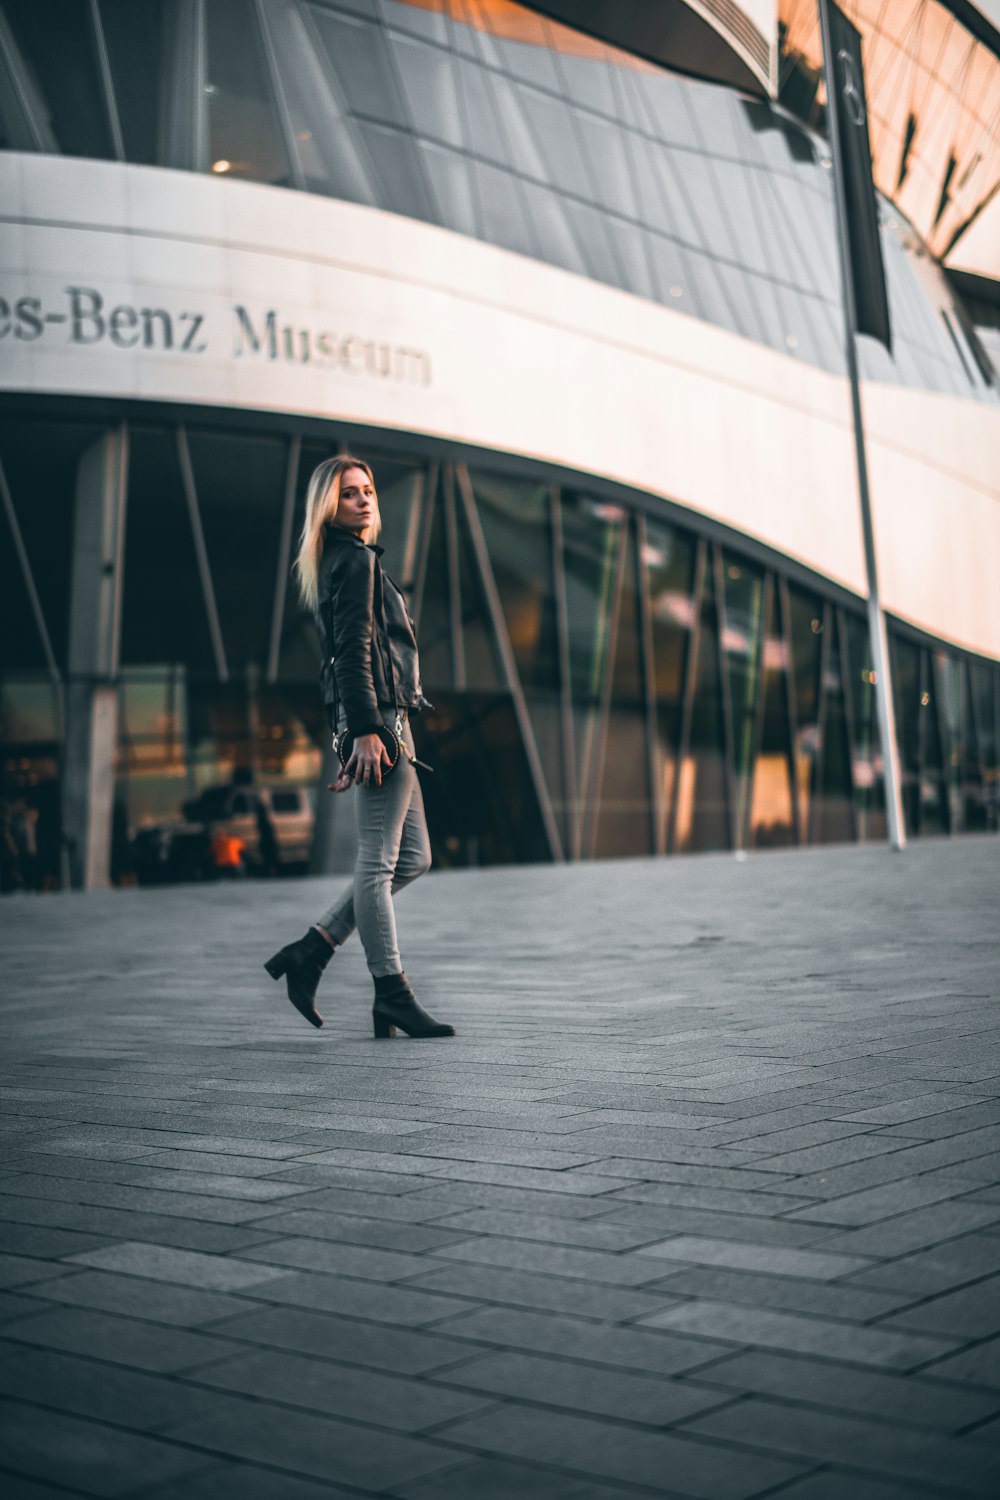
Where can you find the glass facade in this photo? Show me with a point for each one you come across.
(495, 122)
(606, 682)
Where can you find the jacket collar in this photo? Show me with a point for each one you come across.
(339, 535)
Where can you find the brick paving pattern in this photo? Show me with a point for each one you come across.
(702, 1202)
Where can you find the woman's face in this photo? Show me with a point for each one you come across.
(356, 507)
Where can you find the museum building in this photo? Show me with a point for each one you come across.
(581, 312)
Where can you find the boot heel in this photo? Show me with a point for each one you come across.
(277, 965)
(383, 1028)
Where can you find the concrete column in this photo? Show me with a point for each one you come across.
(94, 642)
(335, 836)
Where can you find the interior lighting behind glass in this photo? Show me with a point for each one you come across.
(816, 626)
(791, 341)
(676, 291)
(925, 699)
(221, 166)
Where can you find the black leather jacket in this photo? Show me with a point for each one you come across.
(370, 661)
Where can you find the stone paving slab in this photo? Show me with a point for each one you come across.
(701, 1202)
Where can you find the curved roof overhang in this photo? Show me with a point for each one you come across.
(722, 41)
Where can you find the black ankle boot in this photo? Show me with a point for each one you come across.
(302, 964)
(396, 1005)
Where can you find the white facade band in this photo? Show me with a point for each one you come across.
(145, 284)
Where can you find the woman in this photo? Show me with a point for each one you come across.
(371, 680)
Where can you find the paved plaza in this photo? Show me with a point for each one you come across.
(702, 1201)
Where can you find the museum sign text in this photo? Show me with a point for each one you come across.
(84, 317)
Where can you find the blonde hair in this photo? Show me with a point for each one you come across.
(322, 501)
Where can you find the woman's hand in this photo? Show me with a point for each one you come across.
(368, 760)
(343, 783)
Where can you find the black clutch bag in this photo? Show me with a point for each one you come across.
(344, 746)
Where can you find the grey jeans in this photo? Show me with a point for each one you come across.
(393, 850)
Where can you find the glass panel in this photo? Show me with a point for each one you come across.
(56, 42)
(451, 181)
(906, 692)
(772, 812)
(553, 128)
(40, 461)
(547, 213)
(288, 744)
(433, 621)
(482, 669)
(30, 813)
(702, 796)
(398, 482)
(504, 216)
(869, 784)
(622, 807)
(245, 137)
(137, 39)
(592, 533)
(481, 804)
(605, 143)
(806, 627)
(954, 729)
(668, 558)
(429, 86)
(972, 783)
(934, 806)
(298, 659)
(325, 142)
(515, 518)
(361, 61)
(163, 609)
(399, 169)
(743, 591)
(834, 821)
(984, 681)
(240, 481)
(152, 768)
(515, 521)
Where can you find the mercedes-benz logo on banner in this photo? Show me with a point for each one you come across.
(850, 88)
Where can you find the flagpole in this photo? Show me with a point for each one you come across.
(878, 638)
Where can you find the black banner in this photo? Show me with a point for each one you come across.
(871, 303)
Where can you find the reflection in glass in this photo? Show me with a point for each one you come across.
(833, 811)
(620, 821)
(481, 805)
(743, 601)
(240, 481)
(867, 775)
(163, 608)
(702, 792)
(244, 134)
(905, 659)
(433, 603)
(805, 621)
(57, 50)
(138, 39)
(482, 667)
(773, 820)
(985, 692)
(40, 461)
(668, 558)
(934, 805)
(593, 534)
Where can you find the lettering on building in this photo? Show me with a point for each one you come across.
(85, 317)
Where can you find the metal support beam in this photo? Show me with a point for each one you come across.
(876, 618)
